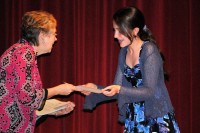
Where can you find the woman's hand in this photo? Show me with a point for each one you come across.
(69, 107)
(111, 90)
(62, 89)
(65, 89)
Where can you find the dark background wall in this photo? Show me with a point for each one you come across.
(86, 52)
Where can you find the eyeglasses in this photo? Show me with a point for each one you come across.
(52, 33)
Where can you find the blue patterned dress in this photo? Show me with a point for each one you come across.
(135, 116)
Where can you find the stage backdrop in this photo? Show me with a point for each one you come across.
(86, 52)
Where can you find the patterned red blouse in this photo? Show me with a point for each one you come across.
(20, 89)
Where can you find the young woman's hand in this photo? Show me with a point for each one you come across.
(111, 90)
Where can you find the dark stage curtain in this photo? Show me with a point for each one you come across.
(86, 52)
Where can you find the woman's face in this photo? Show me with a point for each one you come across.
(47, 41)
(52, 37)
(122, 39)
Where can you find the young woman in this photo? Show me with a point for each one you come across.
(143, 101)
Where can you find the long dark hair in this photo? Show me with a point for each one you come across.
(127, 19)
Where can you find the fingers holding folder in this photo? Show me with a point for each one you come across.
(86, 89)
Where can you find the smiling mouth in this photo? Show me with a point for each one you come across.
(120, 41)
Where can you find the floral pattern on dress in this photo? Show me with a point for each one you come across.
(135, 121)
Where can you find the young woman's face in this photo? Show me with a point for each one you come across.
(122, 39)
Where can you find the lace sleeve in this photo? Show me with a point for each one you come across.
(150, 68)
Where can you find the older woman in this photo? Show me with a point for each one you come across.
(21, 91)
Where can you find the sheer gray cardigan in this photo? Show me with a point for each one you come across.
(153, 91)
